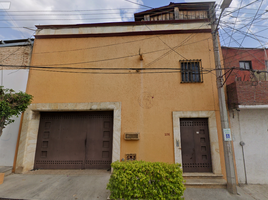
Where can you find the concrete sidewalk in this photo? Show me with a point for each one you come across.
(91, 184)
(56, 185)
(245, 192)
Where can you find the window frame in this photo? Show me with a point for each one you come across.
(244, 62)
(188, 75)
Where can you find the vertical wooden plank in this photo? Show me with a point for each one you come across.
(146, 17)
(181, 14)
(201, 14)
(155, 18)
(167, 16)
(176, 13)
(197, 14)
(171, 16)
(164, 17)
(191, 15)
(205, 14)
(159, 17)
(185, 15)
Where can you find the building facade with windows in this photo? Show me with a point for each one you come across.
(247, 89)
(249, 63)
(125, 91)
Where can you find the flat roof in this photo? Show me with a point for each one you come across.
(183, 6)
(17, 42)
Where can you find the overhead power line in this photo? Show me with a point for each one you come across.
(67, 14)
(57, 19)
(91, 10)
(116, 71)
(243, 32)
(138, 4)
(228, 13)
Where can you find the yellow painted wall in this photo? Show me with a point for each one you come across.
(163, 92)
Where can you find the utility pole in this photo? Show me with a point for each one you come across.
(226, 134)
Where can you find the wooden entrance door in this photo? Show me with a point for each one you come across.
(98, 154)
(195, 144)
(74, 140)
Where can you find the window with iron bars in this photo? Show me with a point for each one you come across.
(191, 71)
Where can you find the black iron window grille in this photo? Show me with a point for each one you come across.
(191, 71)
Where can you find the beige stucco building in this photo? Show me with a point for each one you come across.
(155, 75)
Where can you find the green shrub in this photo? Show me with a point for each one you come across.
(146, 180)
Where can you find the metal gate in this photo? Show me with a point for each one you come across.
(195, 144)
(74, 140)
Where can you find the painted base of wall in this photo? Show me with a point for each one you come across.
(2, 176)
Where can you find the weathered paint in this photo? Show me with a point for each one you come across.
(30, 126)
(125, 29)
(147, 100)
(258, 57)
(16, 80)
(250, 126)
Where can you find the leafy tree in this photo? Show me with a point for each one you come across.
(11, 105)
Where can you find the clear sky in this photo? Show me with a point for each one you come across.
(246, 27)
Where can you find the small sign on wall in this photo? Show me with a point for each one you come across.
(227, 134)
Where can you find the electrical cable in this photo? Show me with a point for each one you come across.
(235, 22)
(248, 27)
(244, 33)
(167, 53)
(138, 4)
(103, 9)
(240, 8)
(167, 44)
(108, 45)
(248, 52)
(120, 44)
(242, 37)
(207, 70)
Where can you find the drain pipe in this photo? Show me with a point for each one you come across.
(242, 144)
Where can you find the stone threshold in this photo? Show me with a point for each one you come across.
(108, 198)
(69, 172)
(201, 175)
(204, 180)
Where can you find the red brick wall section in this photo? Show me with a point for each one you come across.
(232, 95)
(232, 56)
(247, 93)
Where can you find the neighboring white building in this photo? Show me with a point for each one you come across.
(248, 102)
(13, 52)
(250, 127)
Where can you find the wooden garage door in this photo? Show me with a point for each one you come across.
(195, 144)
(74, 140)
